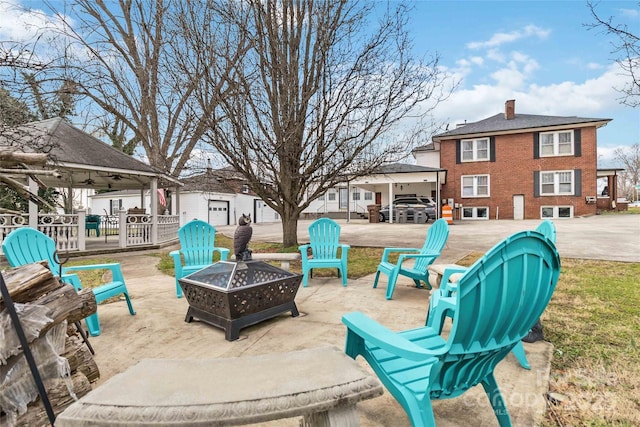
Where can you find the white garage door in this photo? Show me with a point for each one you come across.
(218, 212)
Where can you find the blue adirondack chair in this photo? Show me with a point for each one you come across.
(437, 236)
(498, 299)
(441, 302)
(324, 241)
(92, 222)
(28, 245)
(197, 246)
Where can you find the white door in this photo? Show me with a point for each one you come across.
(263, 212)
(218, 212)
(518, 206)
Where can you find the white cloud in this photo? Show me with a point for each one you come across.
(591, 98)
(509, 77)
(498, 39)
(629, 13)
(496, 55)
(21, 24)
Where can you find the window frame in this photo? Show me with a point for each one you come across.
(556, 144)
(474, 213)
(556, 211)
(474, 150)
(475, 186)
(557, 183)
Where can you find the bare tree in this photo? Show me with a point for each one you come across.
(627, 46)
(324, 92)
(124, 58)
(630, 158)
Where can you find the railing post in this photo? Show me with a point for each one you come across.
(122, 223)
(82, 218)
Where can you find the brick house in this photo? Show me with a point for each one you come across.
(521, 166)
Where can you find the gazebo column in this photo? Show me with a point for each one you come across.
(154, 211)
(33, 207)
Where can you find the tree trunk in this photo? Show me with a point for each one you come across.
(289, 230)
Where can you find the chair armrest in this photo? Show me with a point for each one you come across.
(344, 249)
(403, 257)
(116, 272)
(177, 262)
(389, 251)
(73, 280)
(304, 251)
(445, 284)
(224, 253)
(376, 334)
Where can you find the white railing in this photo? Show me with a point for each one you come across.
(68, 230)
(10, 222)
(63, 229)
(168, 226)
(137, 230)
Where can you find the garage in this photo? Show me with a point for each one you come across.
(218, 212)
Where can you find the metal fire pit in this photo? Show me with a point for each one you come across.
(233, 295)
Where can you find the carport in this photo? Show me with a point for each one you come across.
(398, 179)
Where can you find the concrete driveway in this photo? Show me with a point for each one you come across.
(605, 237)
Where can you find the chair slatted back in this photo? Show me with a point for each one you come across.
(499, 299)
(437, 236)
(548, 229)
(27, 245)
(324, 238)
(197, 241)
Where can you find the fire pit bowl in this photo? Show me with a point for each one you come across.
(233, 295)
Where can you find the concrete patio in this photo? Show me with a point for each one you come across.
(159, 330)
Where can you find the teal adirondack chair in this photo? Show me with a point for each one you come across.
(28, 245)
(324, 241)
(498, 299)
(197, 246)
(437, 236)
(442, 301)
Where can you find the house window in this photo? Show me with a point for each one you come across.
(356, 195)
(320, 197)
(474, 150)
(114, 206)
(332, 197)
(475, 213)
(551, 212)
(556, 144)
(368, 195)
(475, 185)
(556, 183)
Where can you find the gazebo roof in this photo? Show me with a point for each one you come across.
(84, 161)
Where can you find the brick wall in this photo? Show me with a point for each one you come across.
(512, 174)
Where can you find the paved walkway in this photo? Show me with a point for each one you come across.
(159, 330)
(606, 237)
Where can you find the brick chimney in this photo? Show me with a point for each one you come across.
(510, 109)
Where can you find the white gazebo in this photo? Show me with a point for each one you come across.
(77, 160)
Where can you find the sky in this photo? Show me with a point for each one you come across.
(539, 53)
